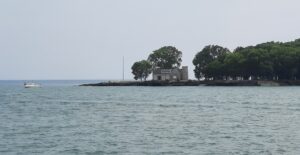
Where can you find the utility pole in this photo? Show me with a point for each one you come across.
(123, 68)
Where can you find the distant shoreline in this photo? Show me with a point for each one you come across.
(200, 83)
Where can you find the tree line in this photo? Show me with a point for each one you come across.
(266, 61)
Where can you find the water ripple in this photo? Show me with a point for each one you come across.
(150, 120)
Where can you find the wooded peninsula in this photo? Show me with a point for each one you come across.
(266, 61)
(270, 61)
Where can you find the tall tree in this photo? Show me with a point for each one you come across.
(233, 65)
(166, 57)
(206, 56)
(215, 70)
(141, 70)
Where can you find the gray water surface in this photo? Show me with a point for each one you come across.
(149, 120)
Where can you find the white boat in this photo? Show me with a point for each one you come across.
(31, 85)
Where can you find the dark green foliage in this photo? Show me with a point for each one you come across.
(166, 57)
(207, 56)
(215, 70)
(267, 61)
(141, 70)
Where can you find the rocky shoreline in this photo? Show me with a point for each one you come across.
(199, 83)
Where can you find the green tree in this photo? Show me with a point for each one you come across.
(285, 63)
(215, 70)
(206, 56)
(166, 57)
(141, 70)
(233, 65)
(266, 61)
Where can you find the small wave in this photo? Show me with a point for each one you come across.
(168, 106)
(95, 153)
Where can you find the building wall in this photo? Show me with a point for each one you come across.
(171, 74)
(184, 73)
(167, 77)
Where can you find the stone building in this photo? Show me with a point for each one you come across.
(175, 74)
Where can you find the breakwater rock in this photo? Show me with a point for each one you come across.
(199, 83)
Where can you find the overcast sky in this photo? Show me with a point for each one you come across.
(86, 39)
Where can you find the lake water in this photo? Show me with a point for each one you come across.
(61, 118)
